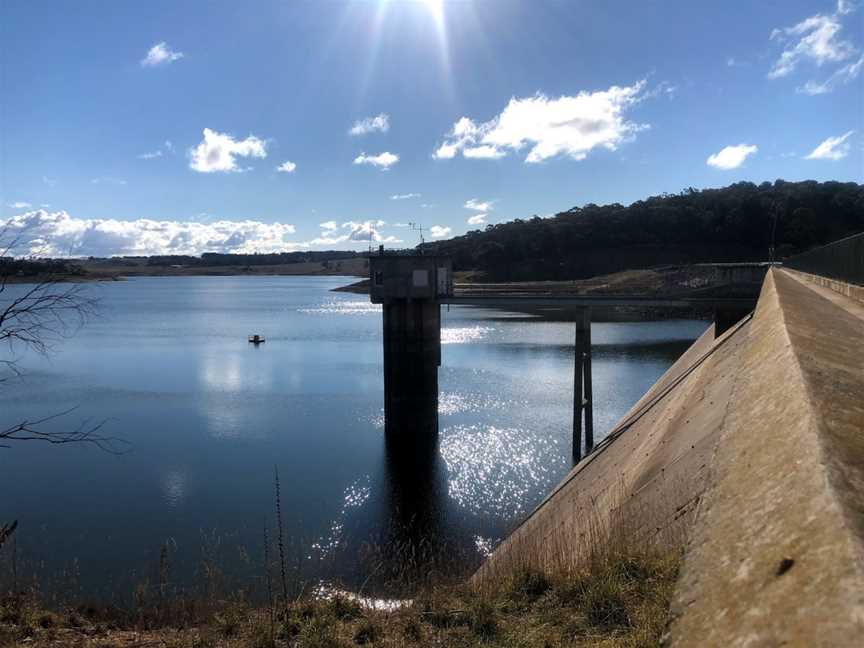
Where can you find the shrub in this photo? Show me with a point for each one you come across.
(345, 609)
(528, 584)
(318, 632)
(230, 620)
(368, 632)
(484, 621)
(604, 602)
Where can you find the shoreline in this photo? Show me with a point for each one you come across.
(214, 271)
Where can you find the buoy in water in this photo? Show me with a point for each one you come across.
(256, 339)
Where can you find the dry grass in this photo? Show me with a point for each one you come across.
(605, 579)
(622, 600)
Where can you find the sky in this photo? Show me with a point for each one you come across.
(181, 128)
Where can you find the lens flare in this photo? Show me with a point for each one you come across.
(431, 14)
(436, 11)
(436, 8)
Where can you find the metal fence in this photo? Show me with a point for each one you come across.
(843, 260)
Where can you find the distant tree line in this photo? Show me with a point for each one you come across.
(736, 223)
(11, 267)
(222, 259)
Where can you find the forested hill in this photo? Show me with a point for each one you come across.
(730, 224)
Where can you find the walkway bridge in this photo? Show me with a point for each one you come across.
(412, 289)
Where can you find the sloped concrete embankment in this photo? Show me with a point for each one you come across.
(751, 446)
(648, 475)
(776, 556)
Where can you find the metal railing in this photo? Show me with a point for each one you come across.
(842, 260)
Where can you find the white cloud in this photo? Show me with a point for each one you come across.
(478, 205)
(383, 160)
(569, 125)
(287, 167)
(160, 54)
(833, 148)
(664, 88)
(447, 151)
(438, 231)
(152, 155)
(483, 152)
(354, 232)
(19, 204)
(404, 196)
(325, 239)
(217, 152)
(380, 123)
(44, 233)
(363, 231)
(817, 40)
(108, 180)
(731, 157)
(477, 219)
(844, 7)
(841, 75)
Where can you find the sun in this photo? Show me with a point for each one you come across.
(430, 16)
(436, 8)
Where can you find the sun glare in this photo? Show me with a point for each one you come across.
(436, 8)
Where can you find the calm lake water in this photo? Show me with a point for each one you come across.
(208, 416)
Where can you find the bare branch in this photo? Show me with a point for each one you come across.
(44, 313)
(6, 531)
(35, 317)
(86, 433)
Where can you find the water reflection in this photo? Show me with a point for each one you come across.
(222, 373)
(464, 334)
(229, 383)
(450, 403)
(174, 489)
(250, 370)
(494, 470)
(418, 533)
(209, 416)
(485, 546)
(341, 306)
(355, 496)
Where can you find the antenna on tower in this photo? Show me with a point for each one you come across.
(417, 227)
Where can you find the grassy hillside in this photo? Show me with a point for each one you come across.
(735, 223)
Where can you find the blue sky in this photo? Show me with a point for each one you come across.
(468, 109)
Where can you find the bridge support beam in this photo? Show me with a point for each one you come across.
(726, 317)
(412, 354)
(583, 393)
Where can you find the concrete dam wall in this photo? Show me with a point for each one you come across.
(749, 452)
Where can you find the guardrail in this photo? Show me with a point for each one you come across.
(842, 260)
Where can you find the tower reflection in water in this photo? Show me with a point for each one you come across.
(407, 529)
